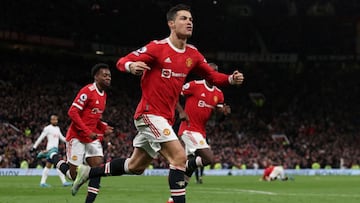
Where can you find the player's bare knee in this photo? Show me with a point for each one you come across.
(179, 161)
(207, 161)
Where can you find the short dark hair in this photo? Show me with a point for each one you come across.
(53, 114)
(97, 67)
(170, 15)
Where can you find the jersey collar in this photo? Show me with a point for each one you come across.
(207, 87)
(97, 90)
(173, 47)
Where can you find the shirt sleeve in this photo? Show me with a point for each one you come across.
(40, 138)
(221, 100)
(209, 74)
(144, 54)
(77, 106)
(187, 88)
(61, 136)
(101, 126)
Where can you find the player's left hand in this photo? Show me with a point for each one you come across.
(226, 109)
(183, 116)
(109, 130)
(237, 78)
(138, 67)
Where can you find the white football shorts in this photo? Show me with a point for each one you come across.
(152, 130)
(193, 141)
(77, 152)
(278, 172)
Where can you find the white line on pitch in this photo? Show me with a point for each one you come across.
(220, 190)
(232, 191)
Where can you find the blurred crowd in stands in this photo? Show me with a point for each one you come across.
(315, 105)
(256, 25)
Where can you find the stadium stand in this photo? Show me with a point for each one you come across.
(316, 108)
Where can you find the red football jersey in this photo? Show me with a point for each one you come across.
(268, 171)
(161, 86)
(85, 113)
(201, 100)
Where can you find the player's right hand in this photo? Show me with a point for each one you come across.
(32, 149)
(237, 78)
(138, 67)
(93, 136)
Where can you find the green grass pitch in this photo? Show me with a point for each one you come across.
(217, 189)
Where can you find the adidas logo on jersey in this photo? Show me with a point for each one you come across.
(167, 60)
(203, 94)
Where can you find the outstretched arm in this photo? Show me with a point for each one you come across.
(217, 78)
(40, 138)
(236, 78)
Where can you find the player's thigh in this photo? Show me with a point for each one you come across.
(206, 154)
(95, 161)
(174, 152)
(48, 164)
(94, 155)
(75, 151)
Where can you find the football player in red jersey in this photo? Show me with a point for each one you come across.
(86, 131)
(163, 66)
(274, 172)
(202, 99)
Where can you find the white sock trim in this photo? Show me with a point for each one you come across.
(198, 161)
(126, 166)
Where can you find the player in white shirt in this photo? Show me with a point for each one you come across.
(53, 134)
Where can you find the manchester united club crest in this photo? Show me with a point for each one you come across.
(166, 132)
(216, 99)
(189, 62)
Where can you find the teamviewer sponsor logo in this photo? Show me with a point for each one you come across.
(166, 73)
(203, 104)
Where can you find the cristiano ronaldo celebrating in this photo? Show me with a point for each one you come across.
(163, 66)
